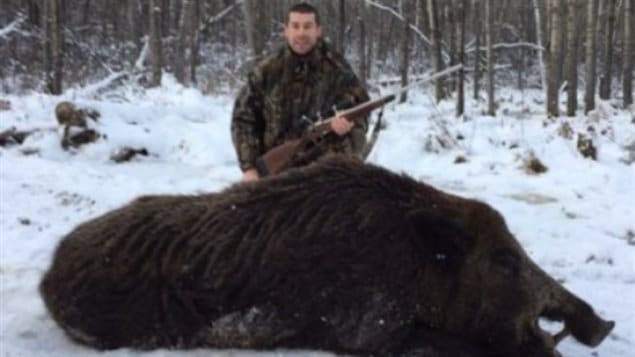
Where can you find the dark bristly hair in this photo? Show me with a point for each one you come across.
(304, 8)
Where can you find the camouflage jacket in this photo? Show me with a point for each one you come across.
(284, 87)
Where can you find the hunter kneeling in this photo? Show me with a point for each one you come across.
(303, 77)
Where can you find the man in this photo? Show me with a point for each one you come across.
(300, 79)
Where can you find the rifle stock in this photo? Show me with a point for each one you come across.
(280, 157)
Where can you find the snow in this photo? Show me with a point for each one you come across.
(574, 220)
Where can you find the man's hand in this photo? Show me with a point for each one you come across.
(341, 126)
(250, 175)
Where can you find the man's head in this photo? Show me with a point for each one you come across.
(302, 28)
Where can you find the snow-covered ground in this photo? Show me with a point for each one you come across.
(577, 220)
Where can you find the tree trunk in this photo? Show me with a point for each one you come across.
(371, 31)
(33, 12)
(405, 51)
(165, 17)
(194, 39)
(361, 20)
(627, 65)
(156, 57)
(131, 18)
(476, 6)
(450, 17)
(86, 11)
(491, 106)
(53, 45)
(341, 27)
(183, 40)
(605, 81)
(113, 10)
(555, 53)
(175, 14)
(589, 91)
(255, 26)
(571, 60)
(435, 32)
(539, 40)
(460, 35)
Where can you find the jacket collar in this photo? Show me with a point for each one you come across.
(304, 64)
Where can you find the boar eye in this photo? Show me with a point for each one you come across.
(506, 261)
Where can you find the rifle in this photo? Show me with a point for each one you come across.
(278, 158)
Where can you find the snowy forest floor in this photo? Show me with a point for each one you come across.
(577, 220)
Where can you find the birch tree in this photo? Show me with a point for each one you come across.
(555, 53)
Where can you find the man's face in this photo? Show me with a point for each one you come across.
(302, 32)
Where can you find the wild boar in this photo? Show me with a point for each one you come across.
(339, 256)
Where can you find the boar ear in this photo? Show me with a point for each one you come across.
(444, 240)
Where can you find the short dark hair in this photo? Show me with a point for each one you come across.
(303, 8)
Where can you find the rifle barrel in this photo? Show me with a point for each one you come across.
(376, 103)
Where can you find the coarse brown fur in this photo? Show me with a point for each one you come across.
(339, 255)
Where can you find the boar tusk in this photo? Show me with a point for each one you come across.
(561, 335)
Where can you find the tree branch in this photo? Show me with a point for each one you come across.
(510, 45)
(210, 21)
(12, 27)
(414, 28)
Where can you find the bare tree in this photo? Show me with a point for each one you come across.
(491, 107)
(256, 26)
(132, 15)
(341, 26)
(53, 45)
(627, 64)
(460, 35)
(33, 12)
(555, 53)
(185, 34)
(449, 19)
(476, 7)
(571, 59)
(435, 31)
(194, 39)
(605, 80)
(156, 51)
(589, 91)
(541, 61)
(361, 21)
(371, 35)
(405, 49)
